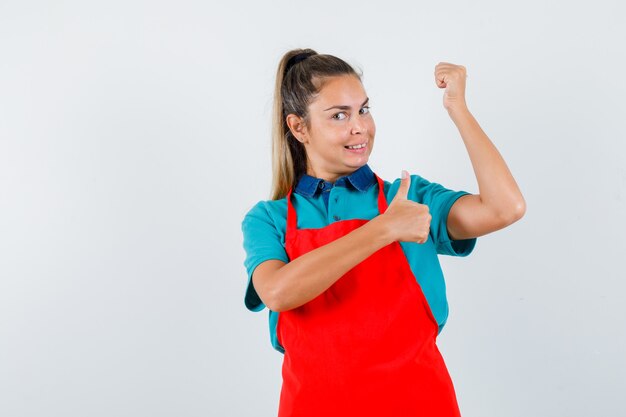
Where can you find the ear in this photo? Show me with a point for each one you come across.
(298, 127)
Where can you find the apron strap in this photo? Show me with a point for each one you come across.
(291, 213)
(382, 201)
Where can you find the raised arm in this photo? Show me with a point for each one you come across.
(499, 202)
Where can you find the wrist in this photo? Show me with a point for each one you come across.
(459, 113)
(458, 107)
(381, 231)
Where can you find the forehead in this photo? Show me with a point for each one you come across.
(343, 90)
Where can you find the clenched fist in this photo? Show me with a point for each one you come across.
(452, 78)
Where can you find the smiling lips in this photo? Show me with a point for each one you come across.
(358, 147)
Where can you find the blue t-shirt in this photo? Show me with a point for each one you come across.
(319, 203)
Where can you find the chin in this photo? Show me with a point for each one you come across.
(363, 160)
(357, 165)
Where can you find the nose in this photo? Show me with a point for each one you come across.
(358, 126)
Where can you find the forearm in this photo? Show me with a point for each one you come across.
(497, 187)
(309, 275)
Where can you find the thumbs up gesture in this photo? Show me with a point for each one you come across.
(407, 221)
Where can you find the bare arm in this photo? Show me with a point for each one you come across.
(500, 201)
(285, 286)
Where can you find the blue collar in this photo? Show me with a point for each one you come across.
(361, 179)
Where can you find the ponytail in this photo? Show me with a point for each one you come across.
(300, 76)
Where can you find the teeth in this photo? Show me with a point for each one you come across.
(356, 146)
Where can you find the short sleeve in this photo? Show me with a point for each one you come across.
(439, 201)
(261, 242)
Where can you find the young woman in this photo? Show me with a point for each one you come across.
(347, 263)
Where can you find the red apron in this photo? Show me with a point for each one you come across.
(366, 345)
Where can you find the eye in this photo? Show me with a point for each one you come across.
(339, 116)
(365, 110)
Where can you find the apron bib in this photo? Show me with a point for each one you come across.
(365, 346)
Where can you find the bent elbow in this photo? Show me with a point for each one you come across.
(519, 209)
(514, 213)
(272, 302)
(276, 301)
(275, 307)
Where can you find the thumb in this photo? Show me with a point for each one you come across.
(403, 190)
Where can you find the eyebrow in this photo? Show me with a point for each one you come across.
(347, 107)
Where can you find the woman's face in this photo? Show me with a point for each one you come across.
(338, 117)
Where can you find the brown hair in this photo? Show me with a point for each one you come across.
(300, 77)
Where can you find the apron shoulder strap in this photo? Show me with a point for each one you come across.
(292, 220)
(382, 201)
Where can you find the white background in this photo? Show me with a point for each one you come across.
(134, 136)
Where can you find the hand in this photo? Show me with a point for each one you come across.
(406, 220)
(452, 78)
